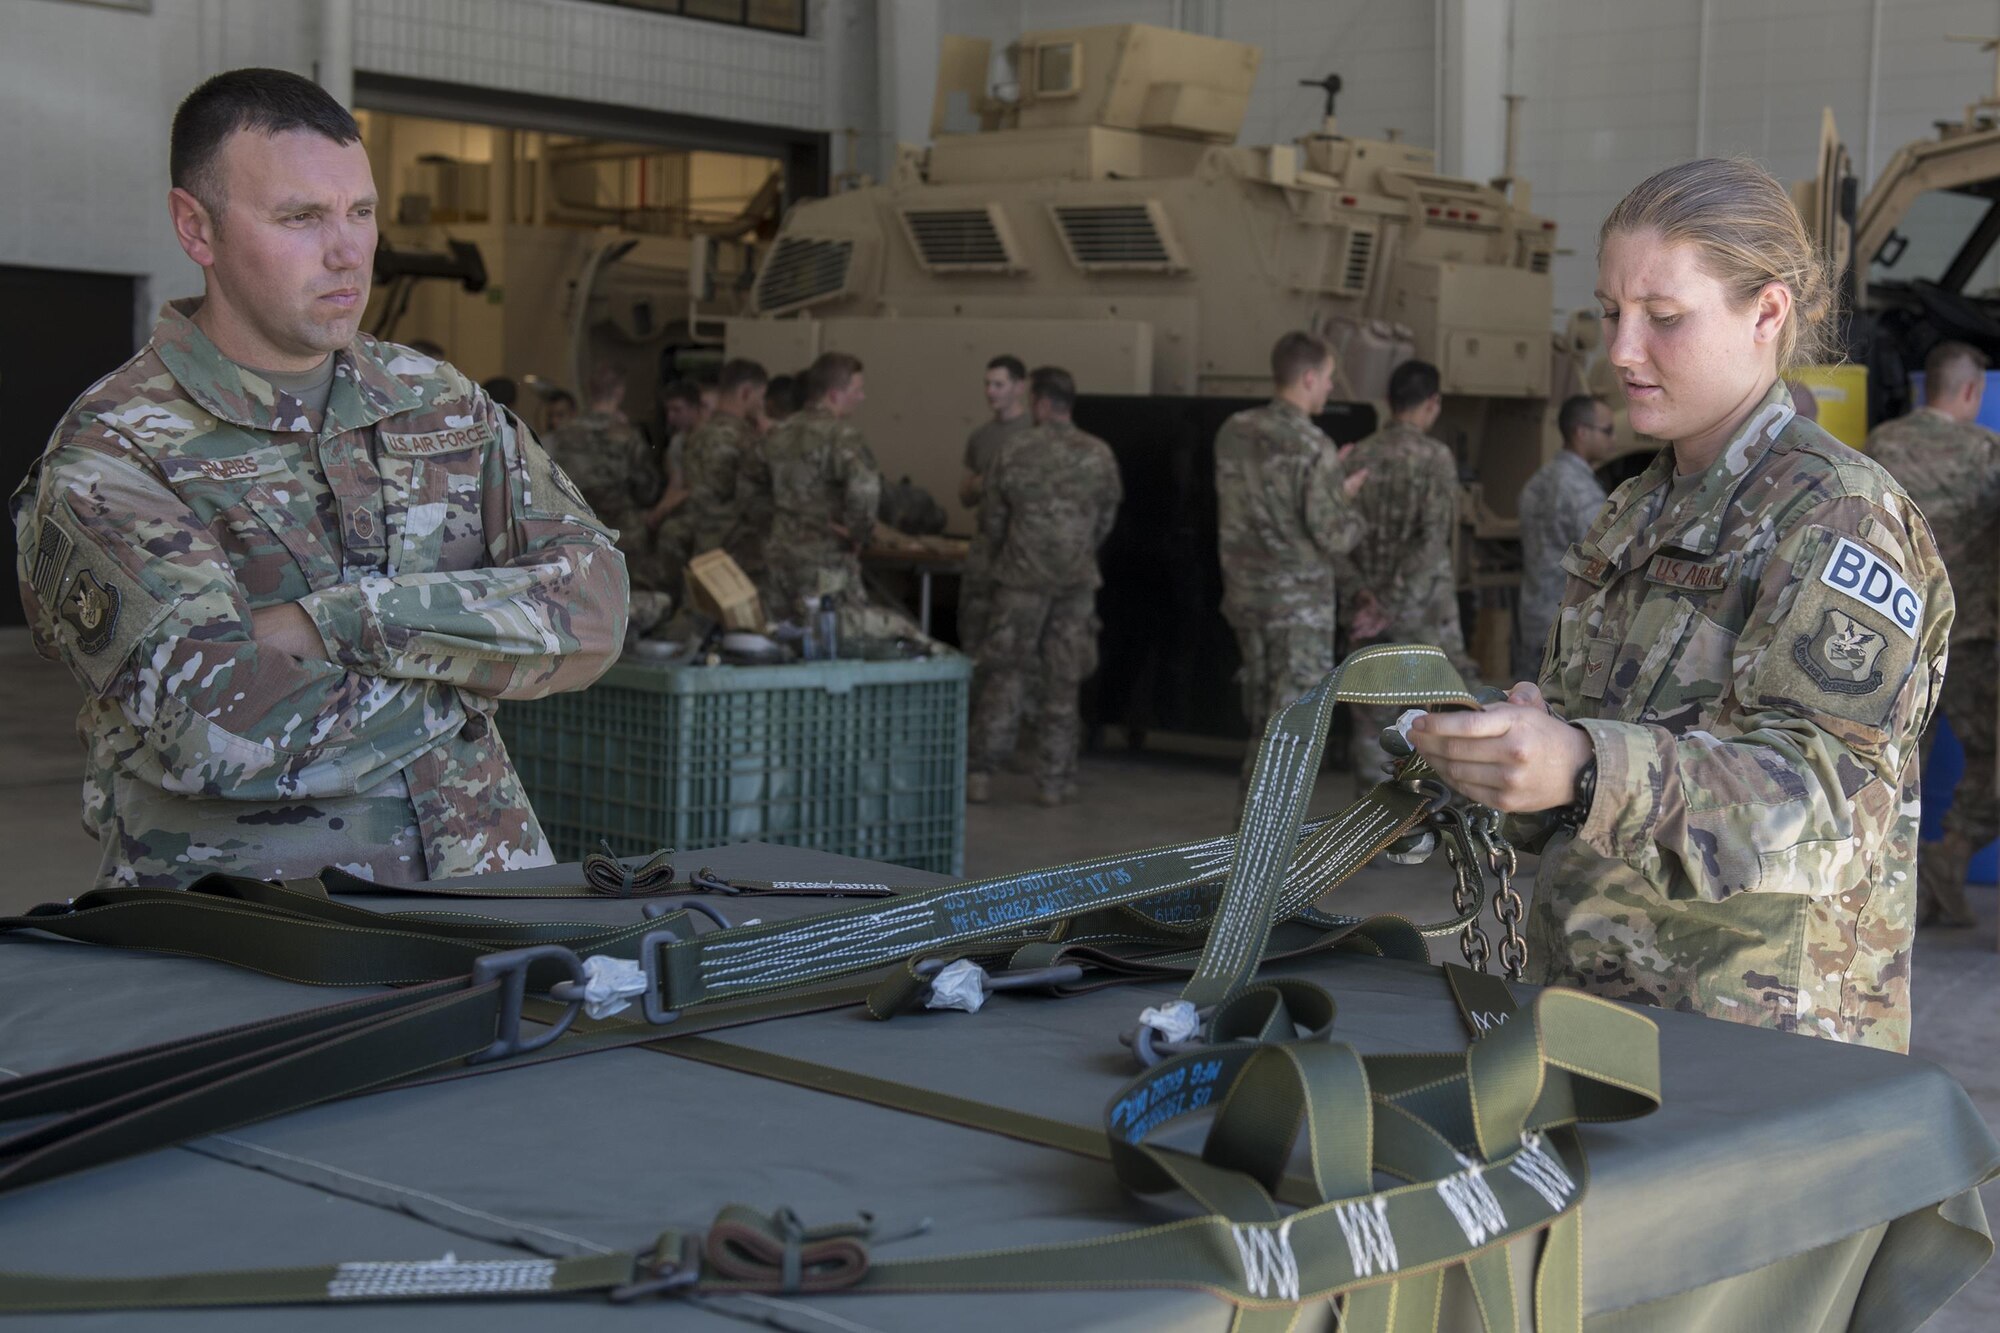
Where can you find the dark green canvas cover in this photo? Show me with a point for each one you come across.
(1786, 1183)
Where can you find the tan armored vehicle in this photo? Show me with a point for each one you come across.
(1099, 214)
(1915, 256)
(1095, 211)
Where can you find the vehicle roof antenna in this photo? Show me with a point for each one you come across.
(1330, 85)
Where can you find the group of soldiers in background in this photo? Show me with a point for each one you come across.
(769, 470)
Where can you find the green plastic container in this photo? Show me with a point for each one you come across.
(862, 758)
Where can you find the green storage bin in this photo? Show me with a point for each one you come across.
(862, 758)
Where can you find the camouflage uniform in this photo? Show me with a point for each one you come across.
(822, 473)
(1952, 471)
(1409, 509)
(1282, 520)
(1557, 506)
(975, 590)
(1051, 497)
(1754, 663)
(755, 514)
(446, 562)
(714, 458)
(613, 467)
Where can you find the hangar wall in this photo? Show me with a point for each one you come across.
(87, 92)
(1615, 88)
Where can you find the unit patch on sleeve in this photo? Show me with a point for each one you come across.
(1867, 578)
(90, 607)
(1841, 655)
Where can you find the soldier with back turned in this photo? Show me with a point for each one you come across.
(1283, 515)
(1950, 465)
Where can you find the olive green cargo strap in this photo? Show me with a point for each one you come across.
(1260, 891)
(1481, 1137)
(607, 875)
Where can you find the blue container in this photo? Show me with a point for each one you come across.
(1941, 775)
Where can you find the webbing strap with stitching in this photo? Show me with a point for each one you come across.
(1481, 1138)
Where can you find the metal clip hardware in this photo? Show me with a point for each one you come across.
(1026, 978)
(682, 1271)
(655, 1002)
(654, 911)
(511, 970)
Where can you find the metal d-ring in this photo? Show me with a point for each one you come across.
(511, 970)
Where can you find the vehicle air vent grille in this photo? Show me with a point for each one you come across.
(959, 240)
(1359, 262)
(1117, 237)
(802, 270)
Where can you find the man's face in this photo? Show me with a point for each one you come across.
(561, 412)
(682, 416)
(843, 401)
(1003, 391)
(1594, 436)
(289, 259)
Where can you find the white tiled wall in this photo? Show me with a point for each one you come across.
(600, 53)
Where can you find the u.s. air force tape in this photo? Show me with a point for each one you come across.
(1867, 578)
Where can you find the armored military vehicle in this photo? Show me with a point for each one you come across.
(1095, 211)
(1915, 256)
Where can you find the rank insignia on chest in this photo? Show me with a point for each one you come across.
(1841, 656)
(1694, 575)
(91, 609)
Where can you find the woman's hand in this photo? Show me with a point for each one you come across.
(1516, 757)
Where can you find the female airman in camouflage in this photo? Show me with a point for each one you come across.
(1725, 735)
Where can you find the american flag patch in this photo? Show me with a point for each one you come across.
(51, 555)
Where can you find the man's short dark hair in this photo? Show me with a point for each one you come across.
(561, 396)
(1013, 365)
(1295, 354)
(1950, 366)
(739, 372)
(1412, 384)
(502, 390)
(1054, 386)
(1577, 410)
(269, 101)
(682, 391)
(832, 372)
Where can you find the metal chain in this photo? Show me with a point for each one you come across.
(1507, 905)
(1472, 940)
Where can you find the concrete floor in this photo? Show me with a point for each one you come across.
(1126, 801)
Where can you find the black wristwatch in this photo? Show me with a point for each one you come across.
(1578, 810)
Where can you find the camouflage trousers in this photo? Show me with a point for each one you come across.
(1280, 663)
(1439, 627)
(975, 610)
(1970, 704)
(1051, 636)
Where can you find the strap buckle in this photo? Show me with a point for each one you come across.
(663, 1275)
(655, 1001)
(511, 969)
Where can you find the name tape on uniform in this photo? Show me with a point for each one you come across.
(1867, 578)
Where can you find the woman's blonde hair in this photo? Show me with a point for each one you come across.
(1748, 233)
